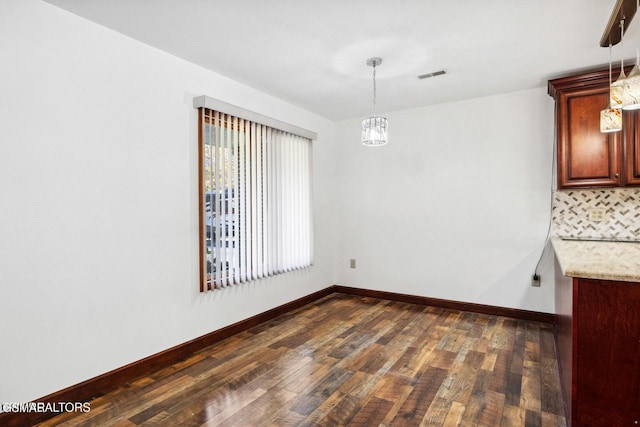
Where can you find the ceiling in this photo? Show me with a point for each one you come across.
(312, 53)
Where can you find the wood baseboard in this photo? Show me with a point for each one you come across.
(453, 305)
(97, 386)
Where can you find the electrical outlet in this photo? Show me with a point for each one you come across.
(535, 281)
(597, 214)
(352, 263)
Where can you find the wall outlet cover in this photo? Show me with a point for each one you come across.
(597, 214)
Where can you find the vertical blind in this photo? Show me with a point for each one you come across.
(255, 200)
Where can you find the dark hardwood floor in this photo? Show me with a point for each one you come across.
(357, 361)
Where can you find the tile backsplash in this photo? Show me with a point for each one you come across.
(610, 214)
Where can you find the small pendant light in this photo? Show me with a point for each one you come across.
(617, 88)
(632, 90)
(374, 128)
(610, 118)
(631, 95)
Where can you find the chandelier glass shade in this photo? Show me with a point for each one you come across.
(374, 131)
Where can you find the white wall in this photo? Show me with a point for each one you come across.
(98, 202)
(456, 206)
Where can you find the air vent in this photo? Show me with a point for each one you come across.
(435, 73)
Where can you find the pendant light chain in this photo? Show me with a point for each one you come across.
(610, 59)
(622, 44)
(374, 88)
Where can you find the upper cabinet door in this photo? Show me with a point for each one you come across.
(586, 156)
(632, 148)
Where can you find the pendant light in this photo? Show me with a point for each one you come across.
(374, 128)
(617, 88)
(610, 118)
(631, 94)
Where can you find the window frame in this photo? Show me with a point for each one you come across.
(229, 111)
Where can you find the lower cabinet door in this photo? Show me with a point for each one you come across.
(607, 355)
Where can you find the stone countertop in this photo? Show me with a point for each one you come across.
(598, 259)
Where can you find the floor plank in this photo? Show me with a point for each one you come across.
(356, 361)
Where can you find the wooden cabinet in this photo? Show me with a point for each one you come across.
(598, 345)
(632, 148)
(587, 157)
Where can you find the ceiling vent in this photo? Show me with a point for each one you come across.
(435, 73)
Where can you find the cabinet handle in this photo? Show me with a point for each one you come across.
(617, 175)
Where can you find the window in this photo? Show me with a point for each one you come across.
(255, 198)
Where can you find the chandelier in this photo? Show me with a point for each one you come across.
(374, 128)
